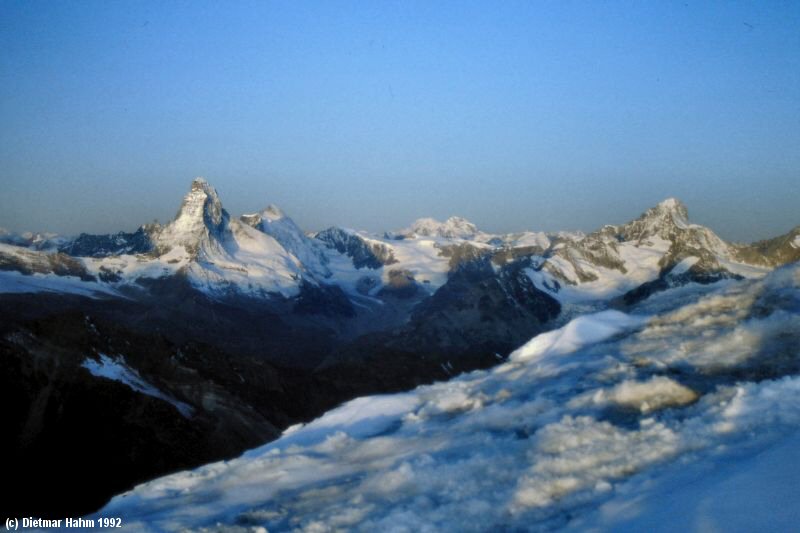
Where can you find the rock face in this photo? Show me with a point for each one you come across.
(200, 222)
(484, 309)
(27, 262)
(665, 220)
(363, 253)
(138, 242)
(772, 252)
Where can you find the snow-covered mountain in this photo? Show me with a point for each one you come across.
(220, 254)
(283, 229)
(603, 424)
(268, 255)
(452, 228)
(29, 239)
(614, 260)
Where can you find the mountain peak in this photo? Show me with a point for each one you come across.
(673, 205)
(273, 212)
(199, 183)
(200, 213)
(670, 203)
(202, 202)
(452, 228)
(669, 211)
(661, 220)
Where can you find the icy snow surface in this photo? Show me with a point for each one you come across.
(587, 427)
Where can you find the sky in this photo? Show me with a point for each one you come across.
(515, 115)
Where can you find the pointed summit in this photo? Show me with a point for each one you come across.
(200, 215)
(273, 212)
(202, 201)
(661, 221)
(199, 183)
(674, 208)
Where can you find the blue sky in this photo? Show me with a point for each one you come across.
(516, 115)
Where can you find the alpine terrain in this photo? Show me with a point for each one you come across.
(428, 378)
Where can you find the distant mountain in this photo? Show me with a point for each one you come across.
(266, 255)
(365, 254)
(452, 228)
(36, 241)
(86, 245)
(771, 252)
(658, 246)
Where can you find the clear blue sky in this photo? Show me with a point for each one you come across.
(529, 115)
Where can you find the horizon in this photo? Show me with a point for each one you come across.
(238, 215)
(542, 117)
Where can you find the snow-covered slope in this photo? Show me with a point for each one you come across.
(583, 427)
(283, 229)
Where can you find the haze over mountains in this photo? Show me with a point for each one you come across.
(193, 341)
(268, 254)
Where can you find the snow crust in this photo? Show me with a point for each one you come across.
(585, 428)
(753, 493)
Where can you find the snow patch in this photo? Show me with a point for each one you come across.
(578, 333)
(16, 282)
(683, 266)
(115, 368)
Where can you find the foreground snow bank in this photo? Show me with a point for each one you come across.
(584, 427)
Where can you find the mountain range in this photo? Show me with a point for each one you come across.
(176, 345)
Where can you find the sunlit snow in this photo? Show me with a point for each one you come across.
(584, 427)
